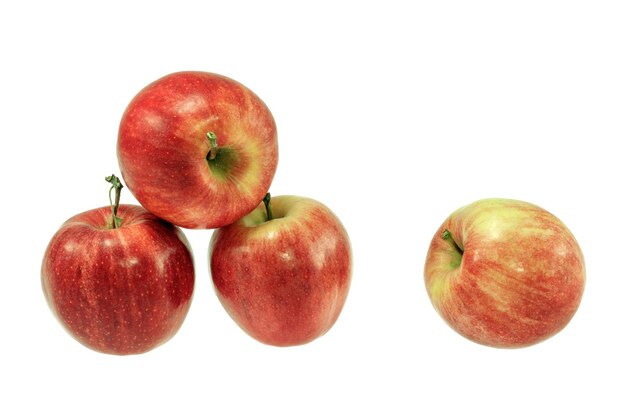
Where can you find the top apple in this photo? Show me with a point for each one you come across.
(197, 149)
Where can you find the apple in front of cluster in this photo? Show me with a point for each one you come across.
(505, 273)
(119, 282)
(283, 271)
(197, 149)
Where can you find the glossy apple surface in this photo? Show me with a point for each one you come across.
(283, 281)
(505, 273)
(119, 291)
(172, 167)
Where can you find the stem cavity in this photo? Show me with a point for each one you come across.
(116, 185)
(268, 208)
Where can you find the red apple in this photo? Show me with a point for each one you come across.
(197, 149)
(283, 273)
(119, 287)
(505, 273)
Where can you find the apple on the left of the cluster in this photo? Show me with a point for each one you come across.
(119, 279)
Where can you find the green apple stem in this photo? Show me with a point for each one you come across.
(221, 159)
(446, 235)
(268, 208)
(212, 137)
(116, 185)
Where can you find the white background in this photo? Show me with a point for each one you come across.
(393, 114)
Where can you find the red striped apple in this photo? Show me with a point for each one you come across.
(120, 282)
(197, 149)
(283, 271)
(505, 273)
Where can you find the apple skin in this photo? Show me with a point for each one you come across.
(283, 281)
(163, 150)
(119, 291)
(518, 280)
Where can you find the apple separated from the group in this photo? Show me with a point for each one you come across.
(505, 273)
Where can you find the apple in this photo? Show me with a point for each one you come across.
(505, 273)
(283, 271)
(119, 279)
(197, 149)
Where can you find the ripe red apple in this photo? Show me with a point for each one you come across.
(120, 283)
(505, 273)
(197, 149)
(283, 271)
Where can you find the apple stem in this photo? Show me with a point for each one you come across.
(116, 185)
(212, 137)
(268, 208)
(446, 235)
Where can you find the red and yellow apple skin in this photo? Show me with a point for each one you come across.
(172, 168)
(119, 291)
(505, 273)
(283, 281)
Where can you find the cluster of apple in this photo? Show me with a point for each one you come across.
(199, 150)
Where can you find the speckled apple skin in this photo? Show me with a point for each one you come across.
(119, 291)
(283, 281)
